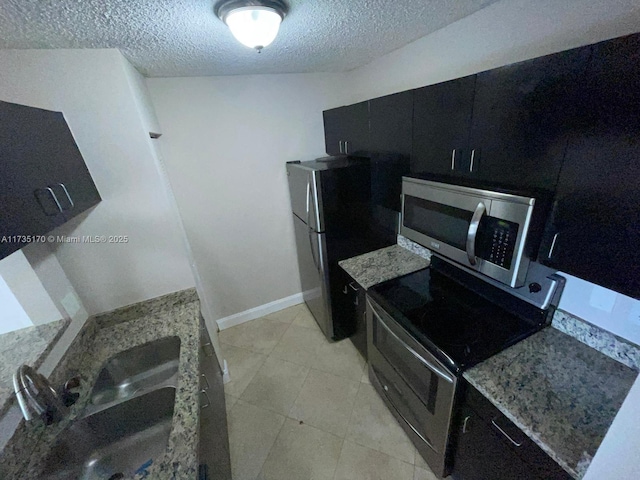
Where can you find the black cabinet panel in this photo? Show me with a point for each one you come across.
(521, 117)
(27, 207)
(490, 447)
(390, 122)
(346, 130)
(67, 173)
(43, 178)
(441, 124)
(594, 232)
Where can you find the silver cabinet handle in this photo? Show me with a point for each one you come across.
(341, 148)
(473, 157)
(36, 193)
(505, 434)
(464, 424)
(55, 199)
(427, 364)
(553, 245)
(208, 401)
(453, 159)
(208, 344)
(345, 290)
(66, 192)
(206, 381)
(473, 232)
(355, 289)
(346, 148)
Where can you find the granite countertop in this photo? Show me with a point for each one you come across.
(383, 264)
(563, 394)
(175, 314)
(28, 346)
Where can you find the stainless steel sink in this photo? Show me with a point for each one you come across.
(136, 371)
(115, 442)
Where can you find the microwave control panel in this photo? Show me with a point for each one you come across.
(498, 241)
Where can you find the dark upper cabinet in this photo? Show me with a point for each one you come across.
(441, 125)
(390, 123)
(346, 130)
(67, 173)
(43, 178)
(594, 229)
(522, 114)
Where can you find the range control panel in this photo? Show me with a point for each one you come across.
(498, 240)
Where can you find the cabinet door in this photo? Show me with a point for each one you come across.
(594, 232)
(490, 447)
(27, 207)
(347, 130)
(213, 442)
(67, 174)
(521, 117)
(481, 455)
(333, 131)
(390, 123)
(441, 123)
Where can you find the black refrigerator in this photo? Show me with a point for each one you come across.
(334, 219)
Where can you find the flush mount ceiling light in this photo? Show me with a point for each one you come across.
(254, 23)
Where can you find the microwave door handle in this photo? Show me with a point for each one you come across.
(473, 232)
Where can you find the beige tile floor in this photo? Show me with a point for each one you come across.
(302, 408)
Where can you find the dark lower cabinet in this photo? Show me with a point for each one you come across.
(490, 447)
(346, 130)
(43, 178)
(441, 125)
(213, 446)
(594, 229)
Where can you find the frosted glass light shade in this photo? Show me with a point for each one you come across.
(256, 27)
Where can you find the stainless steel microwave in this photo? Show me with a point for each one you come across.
(482, 230)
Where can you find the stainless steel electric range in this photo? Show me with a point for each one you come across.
(424, 329)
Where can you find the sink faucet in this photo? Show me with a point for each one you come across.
(35, 394)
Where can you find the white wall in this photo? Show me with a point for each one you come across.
(225, 142)
(504, 32)
(99, 100)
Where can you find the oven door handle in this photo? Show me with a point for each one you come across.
(473, 232)
(427, 364)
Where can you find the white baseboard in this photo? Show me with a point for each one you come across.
(261, 311)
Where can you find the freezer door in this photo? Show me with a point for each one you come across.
(306, 201)
(314, 274)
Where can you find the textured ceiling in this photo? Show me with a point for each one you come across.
(165, 38)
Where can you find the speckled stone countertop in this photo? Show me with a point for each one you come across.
(172, 315)
(560, 392)
(28, 346)
(383, 264)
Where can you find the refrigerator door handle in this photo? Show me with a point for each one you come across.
(313, 253)
(308, 195)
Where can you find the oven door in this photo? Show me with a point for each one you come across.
(482, 230)
(418, 389)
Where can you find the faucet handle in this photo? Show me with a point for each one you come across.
(34, 392)
(68, 397)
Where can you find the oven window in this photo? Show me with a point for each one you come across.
(416, 374)
(442, 222)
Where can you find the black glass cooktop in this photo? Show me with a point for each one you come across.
(460, 325)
